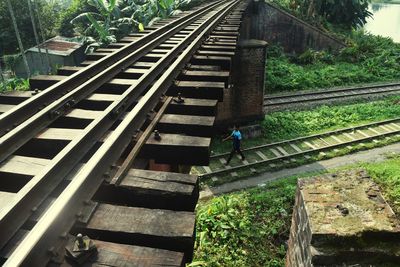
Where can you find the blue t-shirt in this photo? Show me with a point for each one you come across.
(237, 136)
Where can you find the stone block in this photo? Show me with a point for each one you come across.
(341, 220)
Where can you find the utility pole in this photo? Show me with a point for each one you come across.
(21, 48)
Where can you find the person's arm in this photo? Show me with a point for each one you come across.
(227, 138)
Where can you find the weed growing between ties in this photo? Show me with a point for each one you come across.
(367, 59)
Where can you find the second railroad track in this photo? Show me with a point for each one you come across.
(288, 150)
(286, 101)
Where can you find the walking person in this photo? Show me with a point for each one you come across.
(236, 137)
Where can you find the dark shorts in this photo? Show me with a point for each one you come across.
(236, 145)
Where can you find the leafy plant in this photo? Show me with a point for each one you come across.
(339, 12)
(366, 59)
(248, 228)
(13, 84)
(10, 62)
(105, 25)
(109, 20)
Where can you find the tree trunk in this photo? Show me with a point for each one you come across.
(35, 32)
(21, 48)
(1, 73)
(43, 37)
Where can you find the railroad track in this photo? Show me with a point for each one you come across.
(281, 102)
(72, 154)
(287, 151)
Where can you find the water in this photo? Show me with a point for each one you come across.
(386, 20)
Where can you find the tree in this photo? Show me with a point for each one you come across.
(110, 20)
(21, 48)
(34, 30)
(43, 36)
(48, 12)
(64, 26)
(350, 13)
(105, 24)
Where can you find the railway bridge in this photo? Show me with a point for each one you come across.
(94, 161)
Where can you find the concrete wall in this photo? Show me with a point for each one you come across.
(342, 219)
(265, 21)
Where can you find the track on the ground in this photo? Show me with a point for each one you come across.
(289, 150)
(285, 101)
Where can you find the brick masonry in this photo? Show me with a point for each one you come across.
(243, 100)
(342, 220)
(262, 23)
(265, 21)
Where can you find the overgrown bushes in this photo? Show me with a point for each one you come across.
(367, 59)
(248, 228)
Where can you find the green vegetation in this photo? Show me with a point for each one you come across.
(342, 13)
(299, 161)
(386, 1)
(13, 84)
(387, 175)
(250, 227)
(367, 59)
(104, 22)
(285, 125)
(64, 26)
(48, 11)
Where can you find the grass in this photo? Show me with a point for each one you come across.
(298, 161)
(250, 227)
(367, 59)
(278, 126)
(387, 175)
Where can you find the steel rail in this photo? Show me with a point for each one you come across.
(23, 111)
(283, 157)
(41, 185)
(15, 138)
(329, 94)
(310, 136)
(127, 164)
(60, 216)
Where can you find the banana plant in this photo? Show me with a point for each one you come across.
(116, 18)
(104, 26)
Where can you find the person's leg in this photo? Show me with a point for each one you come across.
(240, 152)
(230, 156)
